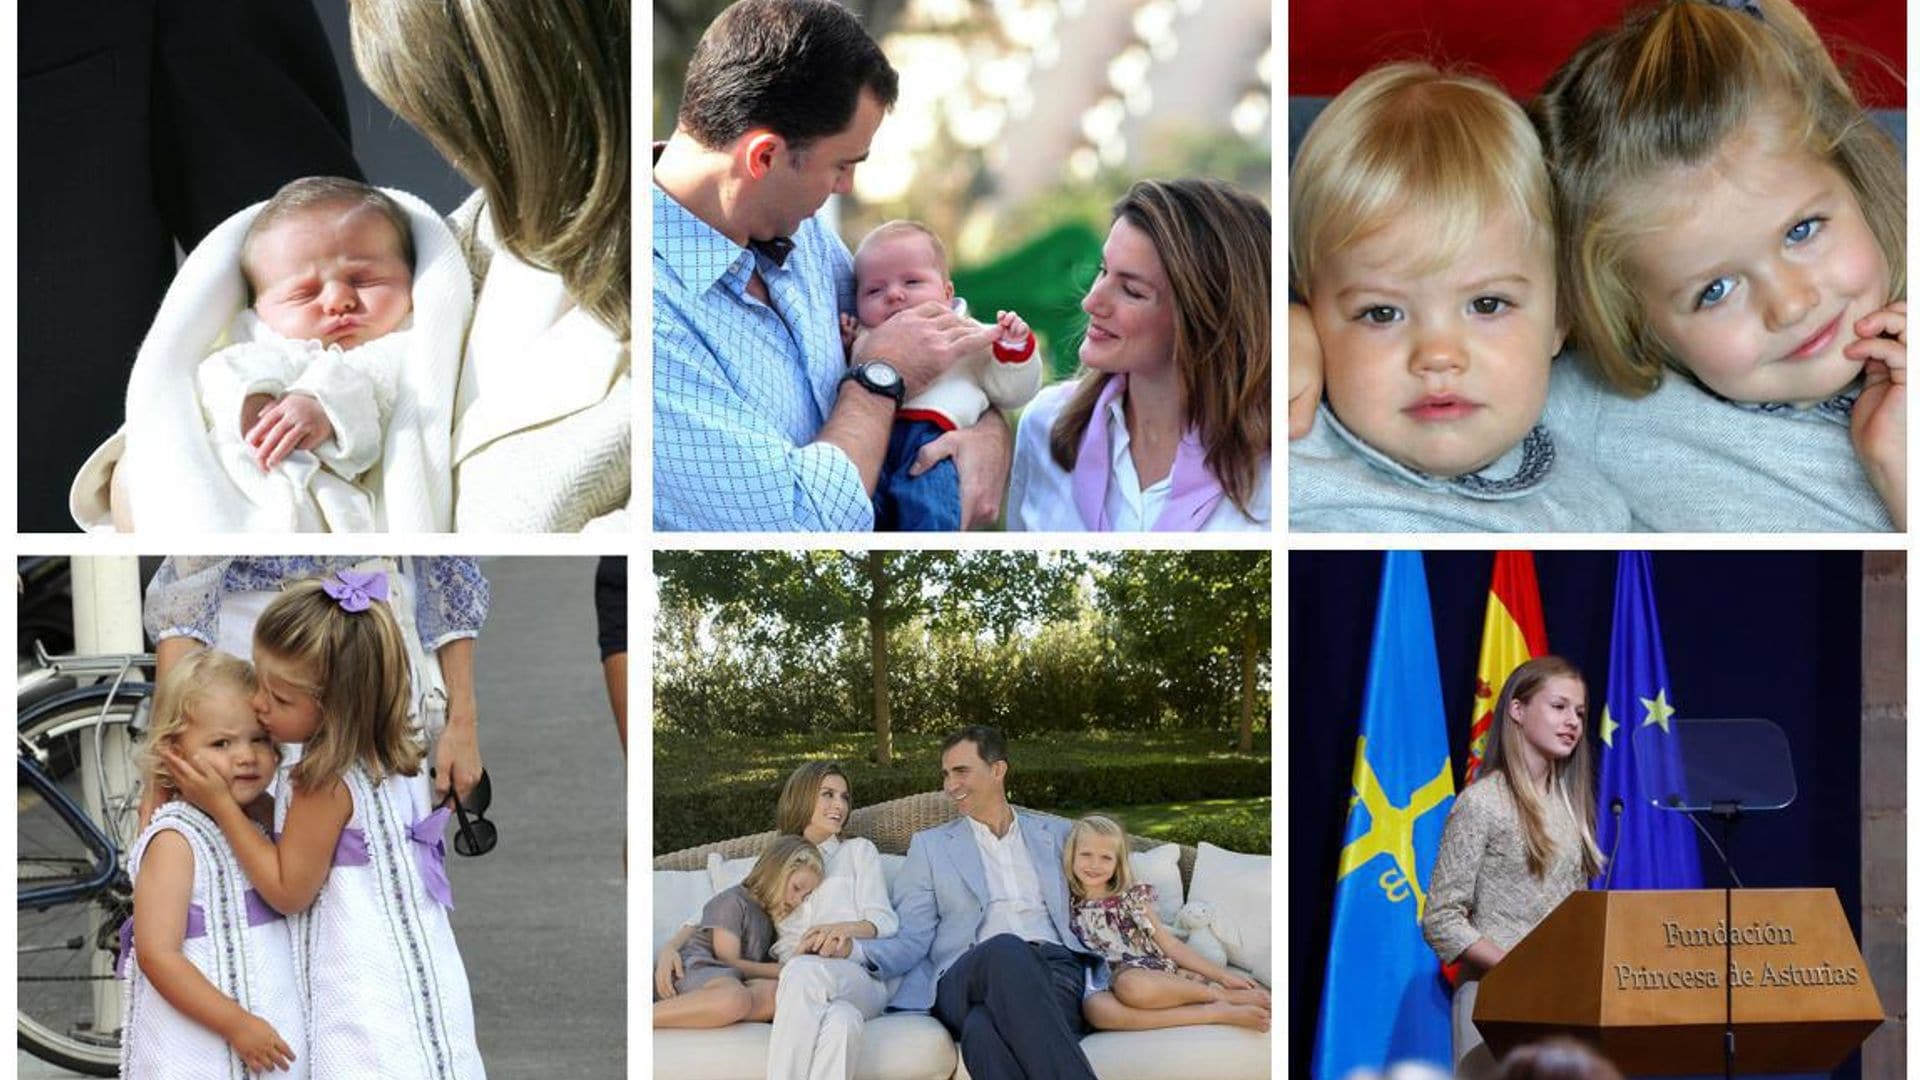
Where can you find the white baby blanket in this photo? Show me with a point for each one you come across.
(169, 472)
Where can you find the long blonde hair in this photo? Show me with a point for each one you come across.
(188, 683)
(1569, 780)
(767, 881)
(357, 672)
(1097, 825)
(1216, 245)
(1667, 89)
(529, 101)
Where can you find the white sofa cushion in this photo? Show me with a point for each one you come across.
(1214, 1052)
(678, 896)
(1240, 888)
(726, 873)
(897, 1046)
(1160, 868)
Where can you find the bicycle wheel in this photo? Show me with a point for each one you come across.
(74, 892)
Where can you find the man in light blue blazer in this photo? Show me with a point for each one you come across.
(986, 939)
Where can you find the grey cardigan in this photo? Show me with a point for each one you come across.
(1481, 887)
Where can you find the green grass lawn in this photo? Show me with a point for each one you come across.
(1244, 825)
(713, 787)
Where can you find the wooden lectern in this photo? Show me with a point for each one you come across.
(1640, 975)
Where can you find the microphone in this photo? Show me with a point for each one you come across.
(1616, 806)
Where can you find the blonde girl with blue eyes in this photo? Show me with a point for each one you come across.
(1732, 249)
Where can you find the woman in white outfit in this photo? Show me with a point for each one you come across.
(529, 101)
(823, 1004)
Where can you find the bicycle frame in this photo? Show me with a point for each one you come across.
(106, 865)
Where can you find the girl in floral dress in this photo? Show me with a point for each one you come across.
(1114, 916)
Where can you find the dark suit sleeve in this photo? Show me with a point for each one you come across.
(246, 96)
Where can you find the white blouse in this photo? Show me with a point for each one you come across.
(1040, 493)
(855, 888)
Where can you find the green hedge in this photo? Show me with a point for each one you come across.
(696, 801)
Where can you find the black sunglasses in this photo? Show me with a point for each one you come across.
(475, 835)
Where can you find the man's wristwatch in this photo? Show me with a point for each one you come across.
(879, 377)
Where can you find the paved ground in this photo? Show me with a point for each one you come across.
(542, 919)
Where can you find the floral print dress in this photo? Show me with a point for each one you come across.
(1118, 927)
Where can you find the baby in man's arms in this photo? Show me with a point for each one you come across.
(901, 264)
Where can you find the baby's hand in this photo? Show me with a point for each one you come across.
(1013, 328)
(295, 422)
(1880, 414)
(259, 1046)
(1305, 371)
(849, 330)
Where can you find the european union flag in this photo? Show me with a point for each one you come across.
(1385, 1000)
(1656, 849)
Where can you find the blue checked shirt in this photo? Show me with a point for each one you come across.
(740, 389)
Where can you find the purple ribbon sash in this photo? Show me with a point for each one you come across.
(429, 849)
(259, 913)
(1194, 491)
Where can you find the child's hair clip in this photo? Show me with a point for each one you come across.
(1747, 6)
(355, 589)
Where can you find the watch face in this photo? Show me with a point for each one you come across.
(881, 373)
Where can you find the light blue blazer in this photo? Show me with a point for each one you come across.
(941, 896)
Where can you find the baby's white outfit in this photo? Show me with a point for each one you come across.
(317, 490)
(252, 964)
(388, 991)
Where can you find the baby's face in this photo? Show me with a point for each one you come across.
(337, 274)
(1446, 370)
(225, 736)
(894, 273)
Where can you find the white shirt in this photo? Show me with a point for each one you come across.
(1014, 905)
(855, 888)
(1040, 492)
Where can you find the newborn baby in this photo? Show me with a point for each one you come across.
(298, 403)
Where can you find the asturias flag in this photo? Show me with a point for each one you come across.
(1656, 849)
(1515, 632)
(1384, 999)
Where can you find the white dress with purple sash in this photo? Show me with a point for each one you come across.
(386, 989)
(240, 944)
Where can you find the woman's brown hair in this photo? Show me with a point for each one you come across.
(795, 809)
(529, 101)
(1216, 244)
(357, 670)
(1569, 779)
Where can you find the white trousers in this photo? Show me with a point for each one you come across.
(819, 1016)
(1471, 1058)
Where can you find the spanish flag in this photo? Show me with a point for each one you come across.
(1515, 632)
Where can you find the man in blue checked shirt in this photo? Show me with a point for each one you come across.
(759, 422)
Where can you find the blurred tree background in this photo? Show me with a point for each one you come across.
(1020, 122)
(1122, 678)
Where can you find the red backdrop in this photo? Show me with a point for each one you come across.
(1332, 41)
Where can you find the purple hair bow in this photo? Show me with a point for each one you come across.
(356, 589)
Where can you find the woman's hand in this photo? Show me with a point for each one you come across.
(1236, 981)
(982, 454)
(1880, 415)
(258, 1044)
(197, 783)
(666, 971)
(1306, 371)
(456, 754)
(833, 941)
(295, 422)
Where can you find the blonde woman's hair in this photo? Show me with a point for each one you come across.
(1216, 245)
(886, 230)
(1569, 780)
(356, 670)
(1668, 89)
(767, 881)
(797, 796)
(528, 100)
(1097, 825)
(188, 683)
(1407, 140)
